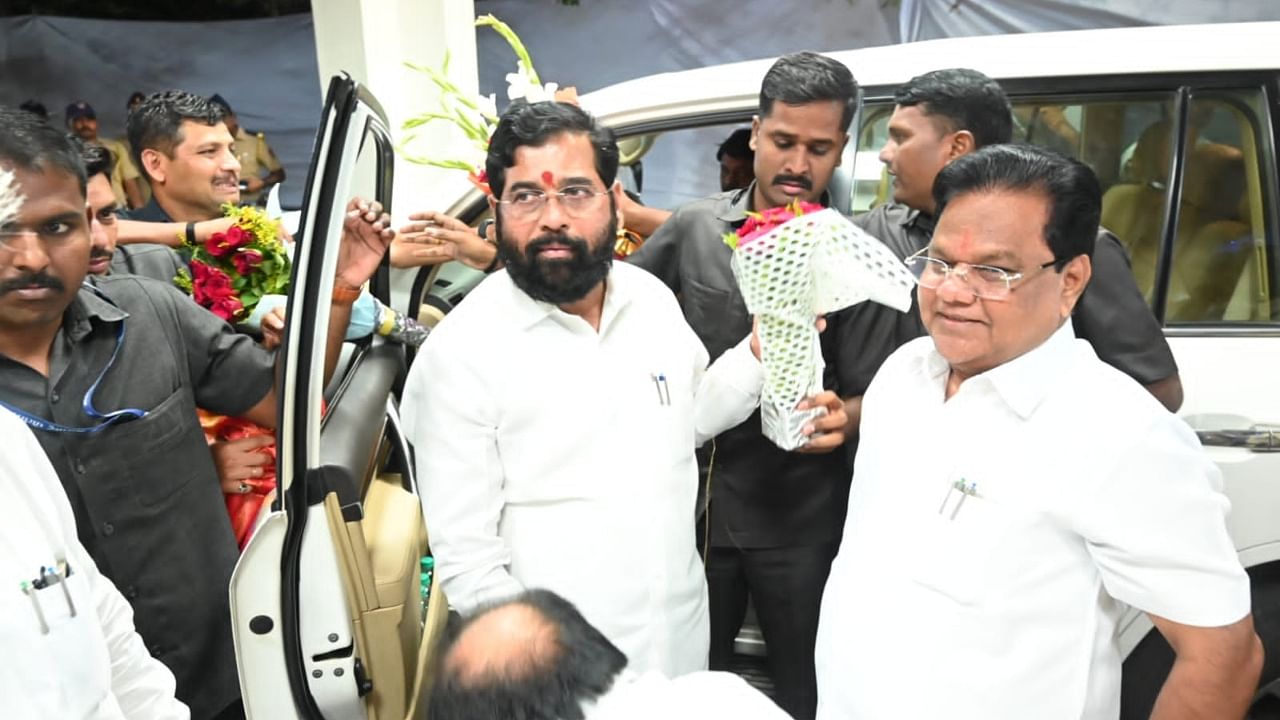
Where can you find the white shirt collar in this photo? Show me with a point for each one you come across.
(1022, 382)
(618, 292)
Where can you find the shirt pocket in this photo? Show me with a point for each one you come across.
(161, 452)
(955, 552)
(718, 316)
(65, 660)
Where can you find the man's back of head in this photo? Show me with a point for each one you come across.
(533, 657)
(962, 99)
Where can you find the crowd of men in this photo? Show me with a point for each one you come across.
(922, 539)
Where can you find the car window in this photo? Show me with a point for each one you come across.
(679, 166)
(1224, 252)
(870, 178)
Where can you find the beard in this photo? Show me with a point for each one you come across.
(559, 280)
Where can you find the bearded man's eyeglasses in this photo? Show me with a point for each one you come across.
(575, 201)
(985, 281)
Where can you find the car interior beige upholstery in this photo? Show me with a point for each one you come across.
(1135, 209)
(380, 558)
(1214, 239)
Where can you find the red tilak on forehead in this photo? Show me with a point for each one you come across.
(548, 178)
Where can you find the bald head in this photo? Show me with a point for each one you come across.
(511, 641)
(533, 656)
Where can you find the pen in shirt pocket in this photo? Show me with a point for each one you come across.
(660, 385)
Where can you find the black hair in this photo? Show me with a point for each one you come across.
(1073, 191)
(156, 124)
(97, 159)
(965, 99)
(135, 95)
(29, 143)
(805, 77)
(35, 107)
(737, 145)
(581, 666)
(533, 124)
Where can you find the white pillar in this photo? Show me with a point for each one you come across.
(371, 40)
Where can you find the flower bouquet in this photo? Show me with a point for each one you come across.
(230, 273)
(793, 264)
(232, 270)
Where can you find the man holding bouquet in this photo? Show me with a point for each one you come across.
(115, 410)
(774, 517)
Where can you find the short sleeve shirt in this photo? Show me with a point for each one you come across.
(145, 492)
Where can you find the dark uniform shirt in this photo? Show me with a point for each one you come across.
(151, 212)
(761, 495)
(1112, 314)
(145, 492)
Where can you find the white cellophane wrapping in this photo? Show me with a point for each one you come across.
(811, 265)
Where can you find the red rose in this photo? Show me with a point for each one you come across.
(246, 260)
(758, 224)
(220, 244)
(238, 237)
(227, 308)
(211, 289)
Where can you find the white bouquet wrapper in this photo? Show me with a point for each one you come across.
(811, 265)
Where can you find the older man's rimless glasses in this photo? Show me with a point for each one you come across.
(985, 281)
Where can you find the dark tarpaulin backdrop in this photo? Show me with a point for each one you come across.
(266, 68)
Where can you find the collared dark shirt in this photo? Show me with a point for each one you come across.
(1112, 314)
(151, 212)
(761, 495)
(145, 492)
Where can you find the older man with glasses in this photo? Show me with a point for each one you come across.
(1013, 493)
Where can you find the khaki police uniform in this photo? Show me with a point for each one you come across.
(124, 168)
(255, 157)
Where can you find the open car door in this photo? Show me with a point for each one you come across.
(328, 609)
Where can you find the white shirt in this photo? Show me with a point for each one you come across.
(1087, 495)
(549, 456)
(92, 665)
(696, 696)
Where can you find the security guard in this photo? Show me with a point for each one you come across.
(254, 154)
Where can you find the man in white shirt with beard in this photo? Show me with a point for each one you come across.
(556, 410)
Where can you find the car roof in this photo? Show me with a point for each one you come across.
(734, 87)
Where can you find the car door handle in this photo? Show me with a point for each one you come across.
(1256, 440)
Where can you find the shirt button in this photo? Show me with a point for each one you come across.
(79, 467)
(54, 397)
(130, 592)
(108, 529)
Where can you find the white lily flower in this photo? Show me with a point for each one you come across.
(488, 105)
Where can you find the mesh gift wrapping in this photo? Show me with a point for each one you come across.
(811, 265)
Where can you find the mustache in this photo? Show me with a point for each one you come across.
(800, 180)
(577, 245)
(36, 280)
(98, 254)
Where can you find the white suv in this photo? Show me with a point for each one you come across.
(1178, 122)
